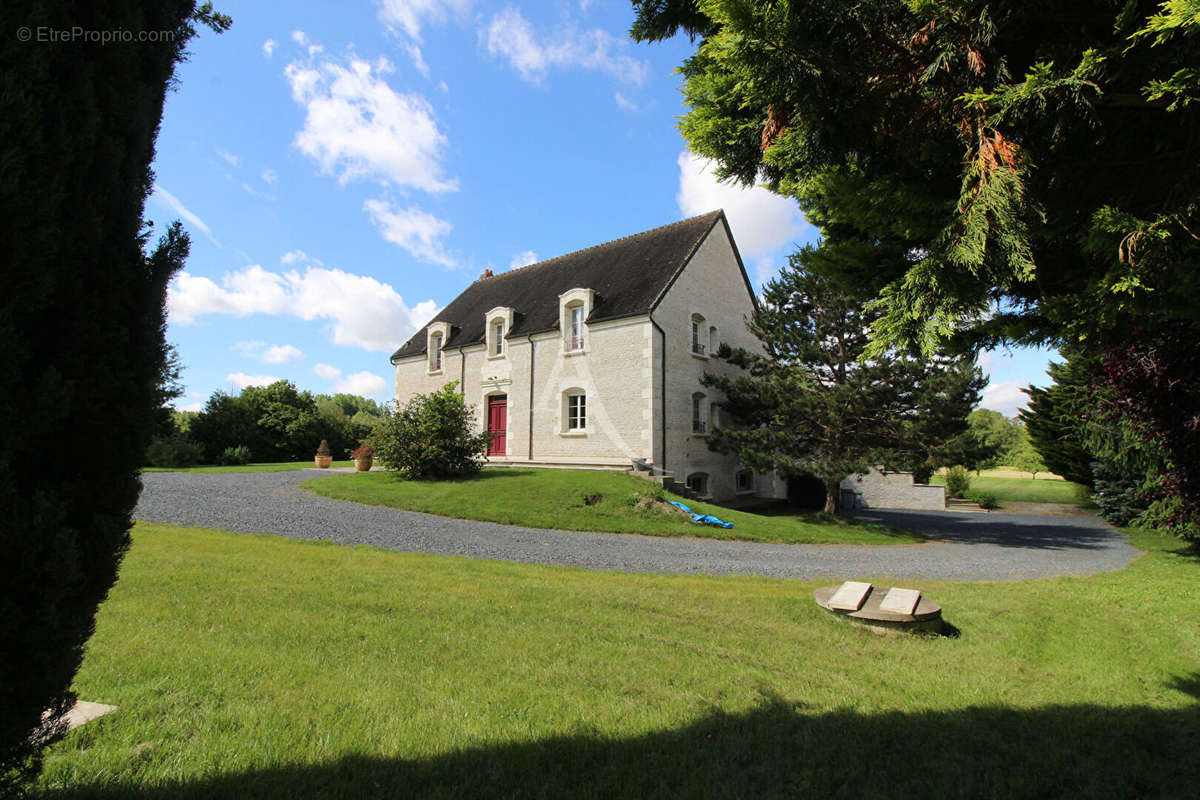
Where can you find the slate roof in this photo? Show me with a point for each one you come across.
(628, 277)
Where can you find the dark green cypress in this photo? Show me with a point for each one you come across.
(81, 332)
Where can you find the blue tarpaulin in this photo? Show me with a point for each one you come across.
(702, 519)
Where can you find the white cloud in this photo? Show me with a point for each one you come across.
(357, 127)
(407, 16)
(1005, 397)
(761, 221)
(197, 406)
(241, 380)
(269, 176)
(512, 37)
(248, 349)
(418, 60)
(301, 38)
(364, 384)
(282, 354)
(416, 231)
(362, 311)
(179, 208)
(250, 190)
(624, 102)
(268, 48)
(327, 371)
(298, 256)
(228, 157)
(523, 259)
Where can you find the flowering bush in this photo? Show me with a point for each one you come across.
(362, 451)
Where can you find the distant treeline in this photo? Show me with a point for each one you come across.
(263, 424)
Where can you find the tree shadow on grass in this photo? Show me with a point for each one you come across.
(775, 750)
(1008, 530)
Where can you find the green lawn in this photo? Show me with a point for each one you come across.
(280, 466)
(261, 667)
(1023, 490)
(554, 498)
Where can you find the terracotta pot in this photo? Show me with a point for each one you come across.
(323, 462)
(363, 463)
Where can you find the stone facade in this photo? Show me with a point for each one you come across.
(623, 369)
(878, 489)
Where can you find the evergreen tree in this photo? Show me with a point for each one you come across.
(811, 405)
(81, 322)
(1056, 416)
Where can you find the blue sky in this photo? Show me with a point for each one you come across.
(346, 169)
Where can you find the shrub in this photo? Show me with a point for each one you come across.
(431, 437)
(323, 448)
(175, 451)
(235, 455)
(958, 481)
(987, 500)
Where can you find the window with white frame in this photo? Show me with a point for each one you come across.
(435, 353)
(699, 417)
(576, 411)
(699, 334)
(743, 481)
(498, 337)
(574, 340)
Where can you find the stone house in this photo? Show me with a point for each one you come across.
(593, 359)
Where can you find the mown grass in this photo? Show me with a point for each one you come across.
(555, 498)
(279, 466)
(262, 667)
(1024, 490)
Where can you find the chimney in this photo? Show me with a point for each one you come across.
(487, 273)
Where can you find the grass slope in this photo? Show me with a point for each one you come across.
(280, 466)
(554, 498)
(1023, 490)
(260, 667)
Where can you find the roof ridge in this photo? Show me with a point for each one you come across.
(601, 244)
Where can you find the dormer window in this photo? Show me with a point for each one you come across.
(574, 307)
(498, 338)
(499, 322)
(575, 327)
(435, 353)
(437, 334)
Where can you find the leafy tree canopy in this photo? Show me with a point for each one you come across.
(1023, 171)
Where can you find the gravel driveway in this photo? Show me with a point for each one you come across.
(970, 546)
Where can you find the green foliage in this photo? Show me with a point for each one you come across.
(323, 448)
(986, 500)
(997, 137)
(173, 451)
(958, 481)
(1056, 416)
(994, 438)
(82, 325)
(431, 437)
(280, 423)
(234, 456)
(1026, 459)
(812, 406)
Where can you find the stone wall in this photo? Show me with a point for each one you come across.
(712, 287)
(891, 490)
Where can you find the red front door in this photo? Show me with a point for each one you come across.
(498, 424)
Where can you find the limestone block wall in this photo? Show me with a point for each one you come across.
(712, 287)
(614, 371)
(894, 490)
